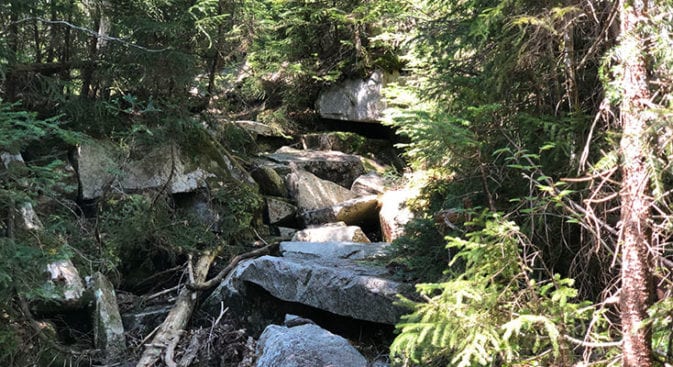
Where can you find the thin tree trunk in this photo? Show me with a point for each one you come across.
(636, 293)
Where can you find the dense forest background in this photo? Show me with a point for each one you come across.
(544, 125)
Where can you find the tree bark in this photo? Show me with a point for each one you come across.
(636, 293)
(173, 326)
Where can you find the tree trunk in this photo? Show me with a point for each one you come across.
(636, 293)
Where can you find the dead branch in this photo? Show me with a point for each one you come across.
(173, 326)
(204, 285)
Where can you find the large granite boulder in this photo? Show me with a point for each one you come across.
(329, 165)
(331, 232)
(100, 166)
(357, 211)
(108, 328)
(340, 286)
(311, 192)
(333, 250)
(306, 345)
(354, 100)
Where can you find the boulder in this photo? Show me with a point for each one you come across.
(394, 213)
(199, 208)
(306, 345)
(369, 184)
(107, 327)
(285, 233)
(357, 211)
(354, 100)
(165, 166)
(339, 286)
(311, 192)
(279, 210)
(331, 232)
(64, 288)
(258, 128)
(346, 142)
(332, 250)
(329, 165)
(269, 181)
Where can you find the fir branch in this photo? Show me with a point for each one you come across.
(89, 32)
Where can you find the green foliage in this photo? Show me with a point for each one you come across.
(495, 311)
(420, 254)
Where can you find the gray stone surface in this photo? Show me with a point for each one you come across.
(369, 184)
(332, 250)
(331, 232)
(279, 210)
(64, 287)
(99, 168)
(394, 213)
(335, 285)
(258, 128)
(354, 211)
(108, 327)
(354, 100)
(306, 345)
(329, 165)
(311, 192)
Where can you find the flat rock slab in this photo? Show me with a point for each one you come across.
(259, 128)
(335, 285)
(329, 165)
(305, 345)
(332, 232)
(332, 250)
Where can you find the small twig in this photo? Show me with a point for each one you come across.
(190, 269)
(149, 336)
(587, 344)
(159, 294)
(218, 278)
(91, 33)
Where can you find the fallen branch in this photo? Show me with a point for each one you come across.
(173, 326)
(200, 286)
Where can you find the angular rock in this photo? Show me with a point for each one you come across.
(369, 184)
(354, 100)
(65, 288)
(394, 213)
(306, 345)
(331, 232)
(356, 211)
(341, 141)
(269, 181)
(108, 328)
(163, 166)
(335, 285)
(258, 128)
(286, 233)
(332, 250)
(330, 165)
(9, 159)
(198, 206)
(279, 210)
(311, 192)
